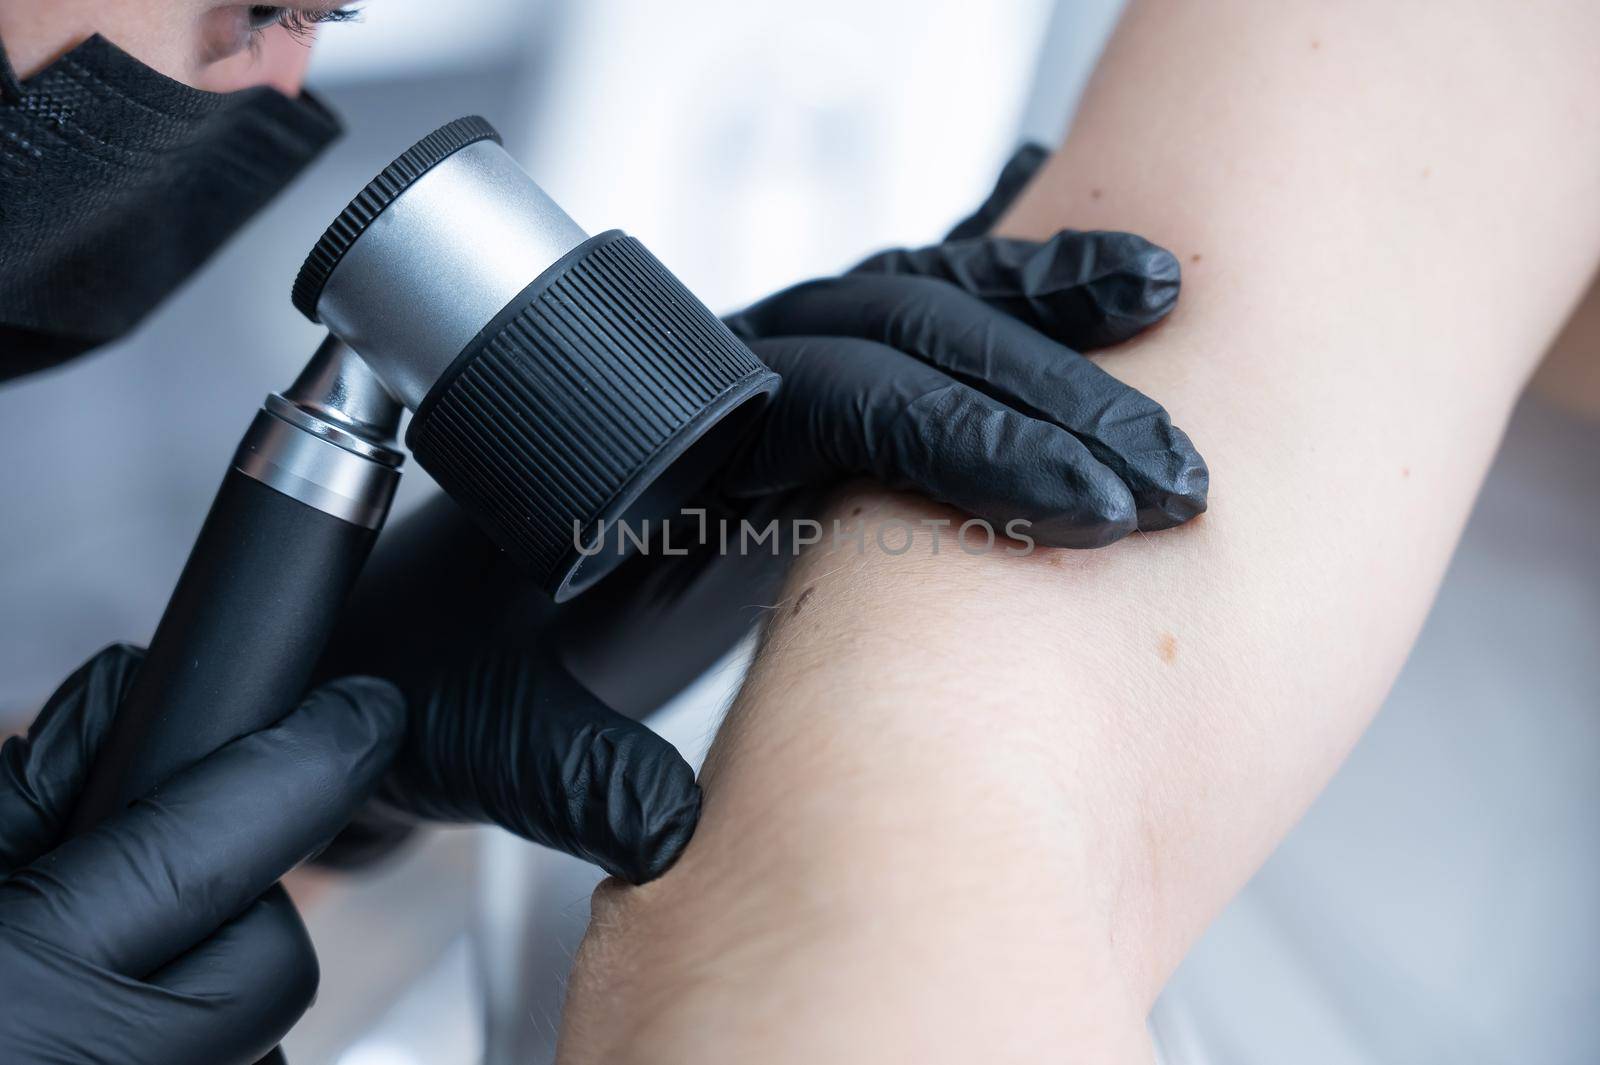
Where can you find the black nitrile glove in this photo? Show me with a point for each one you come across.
(158, 937)
(1020, 169)
(507, 737)
(499, 731)
(952, 371)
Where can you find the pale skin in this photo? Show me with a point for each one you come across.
(978, 808)
(1569, 377)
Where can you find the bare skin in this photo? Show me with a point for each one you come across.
(978, 808)
(199, 42)
(1570, 374)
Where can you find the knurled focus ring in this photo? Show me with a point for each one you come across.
(371, 201)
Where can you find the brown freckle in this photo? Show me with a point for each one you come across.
(1195, 257)
(856, 513)
(1094, 194)
(1427, 171)
(1167, 647)
(1315, 44)
(799, 604)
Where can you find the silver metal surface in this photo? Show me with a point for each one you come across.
(332, 432)
(338, 395)
(316, 471)
(328, 440)
(440, 262)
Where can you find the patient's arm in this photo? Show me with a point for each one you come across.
(976, 809)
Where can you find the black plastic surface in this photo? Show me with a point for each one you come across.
(605, 391)
(234, 651)
(371, 201)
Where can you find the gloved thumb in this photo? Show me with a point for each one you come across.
(1014, 177)
(42, 773)
(513, 740)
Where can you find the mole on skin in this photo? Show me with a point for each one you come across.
(1167, 647)
(800, 603)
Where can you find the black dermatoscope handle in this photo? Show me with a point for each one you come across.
(285, 539)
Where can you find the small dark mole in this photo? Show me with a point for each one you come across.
(1167, 647)
(1195, 257)
(1405, 471)
(856, 512)
(799, 604)
(1094, 194)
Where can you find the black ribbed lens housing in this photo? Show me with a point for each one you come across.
(607, 393)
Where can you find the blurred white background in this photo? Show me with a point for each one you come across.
(1437, 904)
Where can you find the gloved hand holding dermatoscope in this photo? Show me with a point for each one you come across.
(555, 379)
(160, 937)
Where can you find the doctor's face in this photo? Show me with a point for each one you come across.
(210, 44)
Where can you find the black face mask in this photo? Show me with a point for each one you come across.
(117, 183)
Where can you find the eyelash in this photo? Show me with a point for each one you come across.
(301, 24)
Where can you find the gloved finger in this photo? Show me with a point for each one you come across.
(153, 880)
(1014, 177)
(1125, 430)
(41, 773)
(245, 986)
(512, 739)
(226, 1002)
(852, 406)
(1086, 290)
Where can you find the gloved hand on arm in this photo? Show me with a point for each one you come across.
(158, 937)
(951, 370)
(954, 370)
